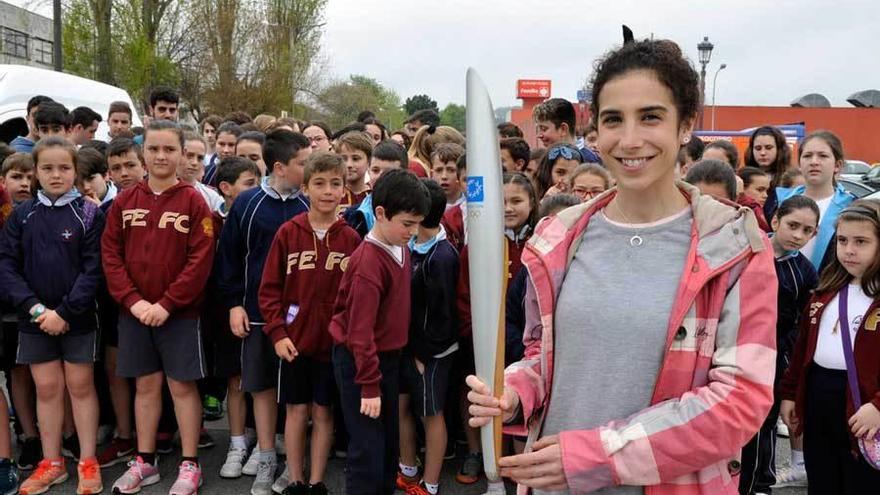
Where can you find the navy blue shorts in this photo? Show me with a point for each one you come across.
(34, 348)
(259, 363)
(428, 389)
(306, 380)
(175, 349)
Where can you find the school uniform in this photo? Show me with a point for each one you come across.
(369, 327)
(8, 319)
(251, 225)
(22, 144)
(5, 206)
(516, 242)
(797, 279)
(351, 198)
(303, 271)
(360, 216)
(159, 248)
(749, 202)
(50, 254)
(433, 329)
(830, 209)
(108, 308)
(816, 381)
(227, 347)
(455, 225)
(210, 176)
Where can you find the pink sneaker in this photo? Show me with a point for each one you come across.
(189, 479)
(139, 475)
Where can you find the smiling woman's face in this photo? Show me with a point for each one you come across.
(640, 132)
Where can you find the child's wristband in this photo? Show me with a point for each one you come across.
(36, 311)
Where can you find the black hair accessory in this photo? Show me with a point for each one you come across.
(627, 35)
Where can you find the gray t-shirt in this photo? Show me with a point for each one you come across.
(611, 319)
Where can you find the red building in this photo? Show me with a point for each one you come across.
(858, 128)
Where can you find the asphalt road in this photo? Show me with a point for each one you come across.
(213, 458)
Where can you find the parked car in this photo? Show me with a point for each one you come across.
(854, 170)
(872, 178)
(857, 188)
(18, 83)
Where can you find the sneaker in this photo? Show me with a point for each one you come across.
(318, 488)
(283, 481)
(31, 454)
(164, 443)
(189, 479)
(139, 475)
(791, 476)
(781, 429)
(89, 472)
(280, 447)
(471, 469)
(206, 441)
(265, 477)
(9, 477)
(250, 467)
(419, 489)
(70, 447)
(119, 450)
(212, 408)
(47, 474)
(404, 482)
(297, 488)
(235, 459)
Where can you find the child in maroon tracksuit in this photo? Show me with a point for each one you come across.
(301, 276)
(370, 326)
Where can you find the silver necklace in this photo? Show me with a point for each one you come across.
(636, 240)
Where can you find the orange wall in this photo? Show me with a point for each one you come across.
(859, 128)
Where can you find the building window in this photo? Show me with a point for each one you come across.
(43, 51)
(15, 43)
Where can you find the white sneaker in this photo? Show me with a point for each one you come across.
(253, 462)
(280, 448)
(283, 481)
(235, 459)
(791, 476)
(265, 475)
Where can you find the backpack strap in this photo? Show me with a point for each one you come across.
(851, 372)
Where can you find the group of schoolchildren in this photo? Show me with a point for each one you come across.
(320, 282)
(827, 249)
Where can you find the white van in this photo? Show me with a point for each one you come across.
(18, 83)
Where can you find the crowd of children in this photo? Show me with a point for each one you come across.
(317, 284)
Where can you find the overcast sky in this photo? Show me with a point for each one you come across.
(775, 50)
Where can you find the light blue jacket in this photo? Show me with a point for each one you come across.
(839, 201)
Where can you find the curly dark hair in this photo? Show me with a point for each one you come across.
(665, 59)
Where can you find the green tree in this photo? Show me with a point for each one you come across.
(454, 115)
(420, 102)
(340, 102)
(251, 55)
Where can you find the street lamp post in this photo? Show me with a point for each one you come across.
(714, 85)
(705, 49)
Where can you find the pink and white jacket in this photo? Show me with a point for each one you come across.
(715, 385)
